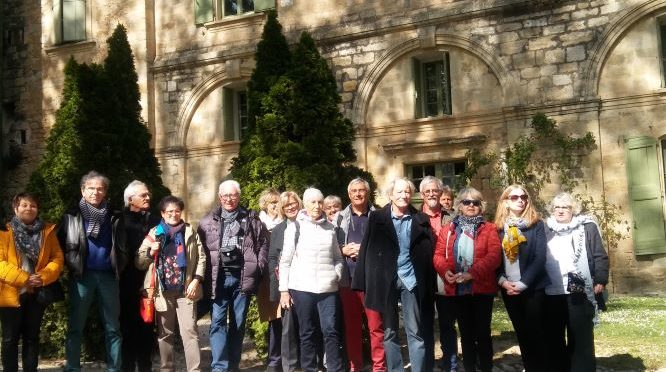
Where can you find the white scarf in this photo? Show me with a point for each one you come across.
(576, 230)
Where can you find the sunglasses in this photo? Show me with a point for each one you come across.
(468, 202)
(514, 198)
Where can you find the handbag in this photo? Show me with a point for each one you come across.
(51, 293)
(147, 304)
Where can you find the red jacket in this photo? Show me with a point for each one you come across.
(487, 258)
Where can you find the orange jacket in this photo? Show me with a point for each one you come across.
(12, 277)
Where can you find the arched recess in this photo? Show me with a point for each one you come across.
(198, 94)
(607, 42)
(376, 72)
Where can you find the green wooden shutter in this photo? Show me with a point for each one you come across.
(261, 5)
(228, 114)
(57, 22)
(73, 20)
(203, 11)
(643, 177)
(418, 88)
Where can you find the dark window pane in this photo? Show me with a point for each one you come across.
(242, 112)
(459, 167)
(230, 7)
(248, 6)
(429, 169)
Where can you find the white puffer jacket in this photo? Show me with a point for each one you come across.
(315, 264)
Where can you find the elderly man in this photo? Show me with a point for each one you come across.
(394, 265)
(93, 238)
(432, 190)
(236, 245)
(352, 222)
(138, 337)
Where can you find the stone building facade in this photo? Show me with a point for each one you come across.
(422, 80)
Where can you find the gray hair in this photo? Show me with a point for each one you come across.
(312, 194)
(358, 180)
(447, 190)
(334, 199)
(568, 200)
(430, 179)
(391, 185)
(130, 190)
(233, 183)
(95, 175)
(471, 194)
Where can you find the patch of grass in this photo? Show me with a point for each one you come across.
(631, 335)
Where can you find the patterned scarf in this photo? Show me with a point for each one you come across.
(94, 216)
(513, 236)
(231, 230)
(27, 239)
(177, 235)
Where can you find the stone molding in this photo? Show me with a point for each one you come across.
(609, 39)
(68, 49)
(441, 39)
(423, 146)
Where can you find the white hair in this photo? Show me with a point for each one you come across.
(131, 189)
(358, 180)
(226, 183)
(312, 194)
(428, 180)
(391, 185)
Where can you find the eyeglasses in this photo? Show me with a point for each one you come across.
(562, 207)
(291, 205)
(145, 195)
(514, 198)
(230, 196)
(468, 202)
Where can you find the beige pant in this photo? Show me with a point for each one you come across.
(178, 307)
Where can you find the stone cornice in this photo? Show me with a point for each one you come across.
(70, 48)
(179, 152)
(403, 147)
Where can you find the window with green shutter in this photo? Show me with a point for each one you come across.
(432, 86)
(69, 20)
(210, 10)
(646, 195)
(234, 113)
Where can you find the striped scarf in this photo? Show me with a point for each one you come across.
(94, 216)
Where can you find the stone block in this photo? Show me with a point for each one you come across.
(347, 97)
(576, 53)
(576, 26)
(585, 13)
(349, 86)
(342, 61)
(597, 21)
(528, 33)
(535, 22)
(530, 73)
(561, 80)
(483, 31)
(554, 56)
(543, 43)
(513, 47)
(573, 38)
(365, 58)
(559, 18)
(523, 60)
(171, 86)
(548, 70)
(507, 37)
(553, 30)
(509, 27)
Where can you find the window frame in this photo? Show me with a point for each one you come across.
(420, 65)
(82, 21)
(207, 11)
(233, 100)
(438, 167)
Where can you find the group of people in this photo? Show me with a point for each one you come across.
(321, 274)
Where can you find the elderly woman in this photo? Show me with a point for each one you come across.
(290, 204)
(332, 207)
(577, 265)
(30, 258)
(269, 308)
(467, 256)
(172, 250)
(523, 274)
(310, 268)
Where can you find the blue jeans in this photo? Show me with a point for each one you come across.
(413, 328)
(226, 341)
(318, 311)
(104, 286)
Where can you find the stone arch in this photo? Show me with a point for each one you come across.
(196, 96)
(607, 42)
(377, 70)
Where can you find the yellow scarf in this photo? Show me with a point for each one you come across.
(512, 239)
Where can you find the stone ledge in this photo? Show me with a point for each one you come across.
(411, 146)
(70, 48)
(233, 22)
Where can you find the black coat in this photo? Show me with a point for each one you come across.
(274, 253)
(377, 263)
(532, 257)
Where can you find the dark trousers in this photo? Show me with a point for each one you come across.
(21, 323)
(308, 307)
(448, 337)
(526, 312)
(474, 313)
(570, 315)
(289, 345)
(274, 336)
(428, 324)
(139, 338)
